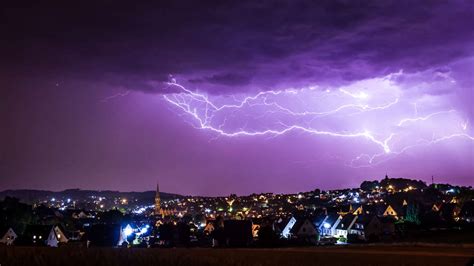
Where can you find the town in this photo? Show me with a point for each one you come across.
(386, 211)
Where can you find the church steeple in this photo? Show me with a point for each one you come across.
(157, 200)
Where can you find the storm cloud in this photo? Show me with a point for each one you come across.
(226, 45)
(83, 86)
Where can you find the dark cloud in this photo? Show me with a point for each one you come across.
(275, 41)
(226, 79)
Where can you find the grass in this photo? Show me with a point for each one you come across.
(378, 255)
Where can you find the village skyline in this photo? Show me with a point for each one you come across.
(388, 210)
(430, 182)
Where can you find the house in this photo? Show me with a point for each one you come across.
(43, 235)
(284, 226)
(359, 210)
(342, 229)
(327, 225)
(209, 227)
(467, 212)
(388, 227)
(449, 211)
(319, 219)
(390, 211)
(366, 227)
(125, 232)
(368, 209)
(103, 235)
(238, 233)
(255, 229)
(81, 214)
(346, 209)
(304, 231)
(56, 237)
(8, 236)
(436, 207)
(35, 235)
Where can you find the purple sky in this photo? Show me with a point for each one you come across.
(257, 96)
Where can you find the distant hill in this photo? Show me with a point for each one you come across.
(32, 195)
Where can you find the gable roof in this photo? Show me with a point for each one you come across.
(281, 223)
(4, 230)
(332, 218)
(299, 225)
(390, 211)
(365, 219)
(346, 221)
(319, 219)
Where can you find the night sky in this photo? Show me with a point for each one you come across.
(212, 98)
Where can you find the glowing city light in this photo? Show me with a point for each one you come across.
(139, 210)
(128, 230)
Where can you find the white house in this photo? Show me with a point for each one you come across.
(327, 224)
(366, 227)
(55, 237)
(342, 229)
(286, 231)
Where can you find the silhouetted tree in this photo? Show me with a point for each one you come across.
(167, 231)
(184, 233)
(267, 236)
(369, 185)
(15, 214)
(413, 213)
(431, 219)
(114, 217)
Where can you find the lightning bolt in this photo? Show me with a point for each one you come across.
(360, 95)
(421, 142)
(119, 94)
(180, 101)
(204, 110)
(422, 118)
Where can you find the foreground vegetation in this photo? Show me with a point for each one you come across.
(362, 255)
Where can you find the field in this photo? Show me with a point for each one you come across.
(354, 255)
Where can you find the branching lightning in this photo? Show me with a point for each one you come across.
(211, 114)
(203, 111)
(422, 118)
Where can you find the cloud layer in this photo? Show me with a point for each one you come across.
(236, 46)
(83, 87)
